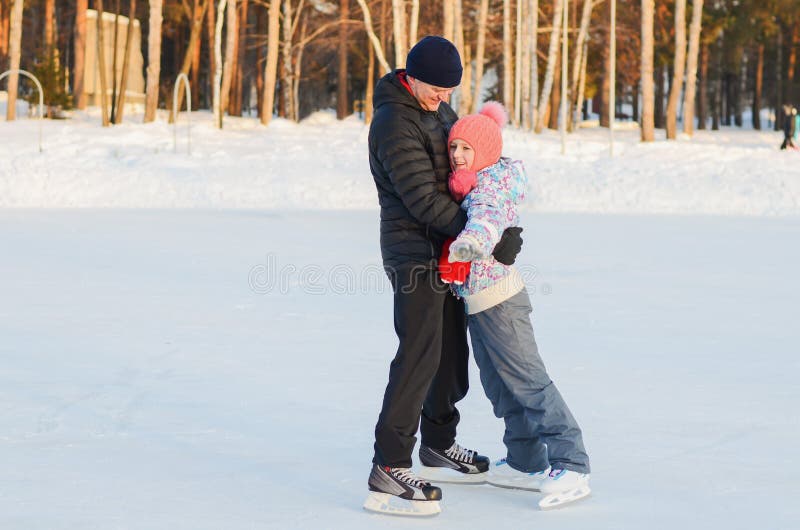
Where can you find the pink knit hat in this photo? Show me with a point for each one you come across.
(482, 132)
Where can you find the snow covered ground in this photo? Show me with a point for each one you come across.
(202, 341)
(321, 163)
(224, 369)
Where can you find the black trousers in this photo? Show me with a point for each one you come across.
(429, 373)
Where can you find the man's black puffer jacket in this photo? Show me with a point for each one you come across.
(408, 156)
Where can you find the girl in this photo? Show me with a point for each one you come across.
(544, 442)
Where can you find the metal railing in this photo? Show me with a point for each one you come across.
(41, 96)
(177, 111)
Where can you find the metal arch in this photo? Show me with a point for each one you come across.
(41, 96)
(176, 110)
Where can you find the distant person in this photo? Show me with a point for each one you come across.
(429, 374)
(543, 441)
(789, 114)
(796, 116)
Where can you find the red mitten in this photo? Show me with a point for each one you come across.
(456, 272)
(461, 183)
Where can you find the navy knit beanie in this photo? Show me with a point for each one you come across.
(434, 60)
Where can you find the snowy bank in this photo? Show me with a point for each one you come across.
(321, 163)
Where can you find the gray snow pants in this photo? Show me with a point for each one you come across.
(540, 429)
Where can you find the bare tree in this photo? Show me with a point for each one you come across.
(579, 60)
(341, 88)
(101, 62)
(508, 63)
(678, 69)
(376, 43)
(413, 26)
(531, 116)
(218, 68)
(758, 92)
(15, 54)
(691, 66)
(3, 34)
(49, 23)
(79, 66)
(648, 86)
(231, 34)
(153, 60)
(399, 30)
(483, 15)
(448, 18)
(552, 59)
(126, 61)
(271, 68)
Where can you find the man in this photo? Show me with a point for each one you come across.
(408, 155)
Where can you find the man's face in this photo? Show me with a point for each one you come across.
(429, 96)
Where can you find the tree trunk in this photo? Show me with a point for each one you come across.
(341, 88)
(679, 66)
(153, 60)
(298, 67)
(758, 88)
(4, 35)
(376, 43)
(126, 61)
(231, 34)
(194, 40)
(448, 19)
(399, 31)
(101, 63)
(508, 62)
(195, 68)
(792, 64)
(479, 55)
(370, 85)
(605, 91)
(659, 106)
(648, 96)
(211, 26)
(78, 69)
(702, 104)
(15, 53)
(555, 95)
(579, 102)
(413, 28)
(114, 65)
(532, 110)
(237, 99)
(520, 29)
(218, 68)
(271, 67)
(552, 54)
(261, 22)
(578, 61)
(691, 67)
(286, 60)
(49, 12)
(779, 97)
(716, 109)
(465, 92)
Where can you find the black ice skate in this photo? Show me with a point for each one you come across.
(457, 465)
(397, 491)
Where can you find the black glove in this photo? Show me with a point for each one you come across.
(509, 246)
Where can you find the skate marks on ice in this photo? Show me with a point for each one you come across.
(110, 408)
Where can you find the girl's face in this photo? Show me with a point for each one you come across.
(461, 154)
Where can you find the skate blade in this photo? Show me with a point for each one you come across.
(450, 476)
(393, 505)
(556, 500)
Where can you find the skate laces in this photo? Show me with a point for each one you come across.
(460, 454)
(405, 475)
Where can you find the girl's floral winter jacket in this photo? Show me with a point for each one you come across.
(491, 208)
